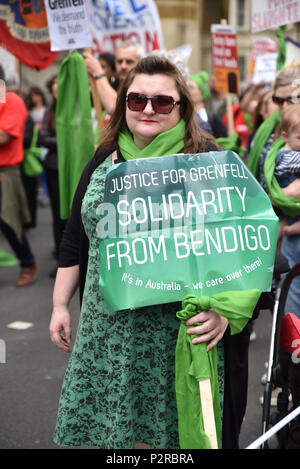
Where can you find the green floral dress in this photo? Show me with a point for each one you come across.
(119, 384)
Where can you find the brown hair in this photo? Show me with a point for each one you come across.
(290, 118)
(196, 139)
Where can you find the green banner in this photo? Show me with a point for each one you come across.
(183, 224)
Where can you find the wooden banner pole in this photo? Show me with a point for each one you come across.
(231, 130)
(208, 412)
(228, 98)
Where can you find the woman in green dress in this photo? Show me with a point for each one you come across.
(118, 390)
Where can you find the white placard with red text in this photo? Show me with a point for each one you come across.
(268, 14)
(225, 58)
(260, 46)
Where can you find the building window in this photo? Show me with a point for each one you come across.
(240, 13)
(242, 67)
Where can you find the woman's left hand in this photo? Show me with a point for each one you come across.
(211, 330)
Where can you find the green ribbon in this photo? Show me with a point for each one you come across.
(74, 128)
(289, 205)
(193, 363)
(261, 137)
(167, 143)
(281, 57)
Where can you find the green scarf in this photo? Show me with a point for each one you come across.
(193, 363)
(281, 57)
(166, 143)
(261, 137)
(74, 128)
(289, 205)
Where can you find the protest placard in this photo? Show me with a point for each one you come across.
(267, 14)
(114, 21)
(225, 58)
(69, 24)
(183, 224)
(265, 68)
(292, 50)
(260, 46)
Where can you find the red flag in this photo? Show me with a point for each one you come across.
(24, 32)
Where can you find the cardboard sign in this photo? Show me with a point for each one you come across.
(225, 58)
(183, 224)
(114, 21)
(267, 14)
(69, 25)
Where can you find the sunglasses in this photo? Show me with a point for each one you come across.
(291, 99)
(161, 103)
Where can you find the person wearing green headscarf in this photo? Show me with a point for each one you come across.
(201, 79)
(121, 388)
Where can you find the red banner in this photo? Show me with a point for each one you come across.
(24, 32)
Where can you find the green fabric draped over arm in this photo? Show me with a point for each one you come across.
(193, 363)
(289, 205)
